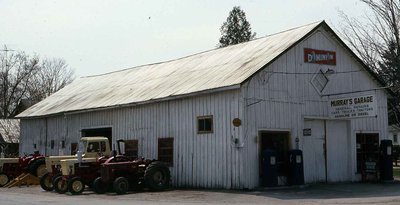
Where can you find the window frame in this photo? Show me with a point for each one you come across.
(211, 117)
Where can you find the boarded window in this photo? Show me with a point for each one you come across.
(166, 150)
(131, 148)
(205, 124)
(74, 147)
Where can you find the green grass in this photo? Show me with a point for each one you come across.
(396, 172)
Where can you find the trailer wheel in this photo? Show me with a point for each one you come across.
(157, 176)
(46, 182)
(99, 186)
(121, 185)
(60, 185)
(38, 167)
(4, 179)
(76, 186)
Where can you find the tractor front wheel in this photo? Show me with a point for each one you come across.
(46, 182)
(4, 179)
(38, 167)
(76, 186)
(60, 185)
(99, 186)
(121, 185)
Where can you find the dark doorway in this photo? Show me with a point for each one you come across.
(279, 142)
(98, 132)
(367, 155)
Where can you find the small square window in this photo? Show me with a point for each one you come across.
(205, 124)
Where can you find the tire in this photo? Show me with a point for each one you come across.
(38, 167)
(60, 185)
(46, 182)
(76, 186)
(4, 179)
(157, 176)
(121, 185)
(99, 186)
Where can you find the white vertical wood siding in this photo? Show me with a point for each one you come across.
(200, 160)
(267, 101)
(282, 101)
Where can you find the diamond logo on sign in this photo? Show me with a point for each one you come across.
(353, 107)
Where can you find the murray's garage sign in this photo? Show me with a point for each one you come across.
(353, 107)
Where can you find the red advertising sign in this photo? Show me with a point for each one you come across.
(319, 56)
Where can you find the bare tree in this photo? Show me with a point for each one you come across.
(16, 69)
(23, 77)
(375, 38)
(53, 75)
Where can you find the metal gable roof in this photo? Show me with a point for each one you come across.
(209, 70)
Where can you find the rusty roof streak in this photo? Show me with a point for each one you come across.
(209, 70)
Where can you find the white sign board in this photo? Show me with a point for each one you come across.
(353, 107)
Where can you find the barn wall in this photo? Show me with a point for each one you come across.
(200, 160)
(281, 97)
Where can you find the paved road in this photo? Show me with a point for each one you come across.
(355, 193)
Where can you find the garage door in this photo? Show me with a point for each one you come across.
(338, 155)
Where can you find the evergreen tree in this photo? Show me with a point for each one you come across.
(236, 29)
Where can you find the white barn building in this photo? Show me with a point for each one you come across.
(211, 114)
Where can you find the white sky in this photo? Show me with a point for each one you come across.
(95, 37)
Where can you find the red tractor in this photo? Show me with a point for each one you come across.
(77, 173)
(13, 167)
(124, 176)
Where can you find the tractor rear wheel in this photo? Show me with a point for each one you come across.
(60, 185)
(121, 185)
(38, 167)
(76, 186)
(99, 186)
(157, 176)
(46, 182)
(4, 179)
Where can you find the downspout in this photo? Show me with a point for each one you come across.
(45, 145)
(325, 153)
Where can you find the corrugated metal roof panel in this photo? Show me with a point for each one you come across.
(208, 70)
(9, 130)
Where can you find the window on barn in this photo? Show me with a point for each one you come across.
(131, 148)
(205, 124)
(319, 81)
(166, 150)
(74, 147)
(395, 138)
(52, 144)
